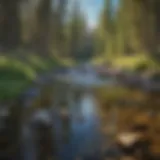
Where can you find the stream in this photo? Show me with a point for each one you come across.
(84, 136)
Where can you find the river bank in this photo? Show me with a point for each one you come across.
(117, 107)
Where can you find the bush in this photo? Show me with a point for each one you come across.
(13, 81)
(16, 74)
(18, 71)
(12, 67)
(142, 67)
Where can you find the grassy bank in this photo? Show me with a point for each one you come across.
(17, 73)
(128, 62)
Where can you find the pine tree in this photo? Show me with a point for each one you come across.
(10, 24)
(42, 36)
(106, 31)
(141, 24)
(77, 29)
(59, 25)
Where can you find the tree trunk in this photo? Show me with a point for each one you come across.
(10, 27)
(42, 37)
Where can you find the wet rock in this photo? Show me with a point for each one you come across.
(135, 143)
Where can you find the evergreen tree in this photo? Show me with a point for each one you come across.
(42, 36)
(59, 25)
(105, 30)
(138, 20)
(77, 31)
(10, 25)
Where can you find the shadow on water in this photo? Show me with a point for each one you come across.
(72, 121)
(84, 138)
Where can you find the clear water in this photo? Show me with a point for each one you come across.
(84, 134)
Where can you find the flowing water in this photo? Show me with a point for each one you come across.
(83, 128)
(71, 123)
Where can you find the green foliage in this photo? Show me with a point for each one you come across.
(142, 67)
(132, 30)
(76, 32)
(17, 75)
(132, 62)
(41, 31)
(14, 65)
(37, 63)
(10, 89)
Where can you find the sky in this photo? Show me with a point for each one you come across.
(92, 10)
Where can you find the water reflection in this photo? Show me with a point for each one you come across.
(85, 138)
(72, 123)
(73, 127)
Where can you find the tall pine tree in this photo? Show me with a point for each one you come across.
(10, 24)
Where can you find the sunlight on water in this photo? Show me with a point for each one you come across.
(85, 79)
(88, 107)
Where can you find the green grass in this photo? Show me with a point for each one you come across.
(16, 74)
(128, 62)
(131, 62)
(11, 89)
